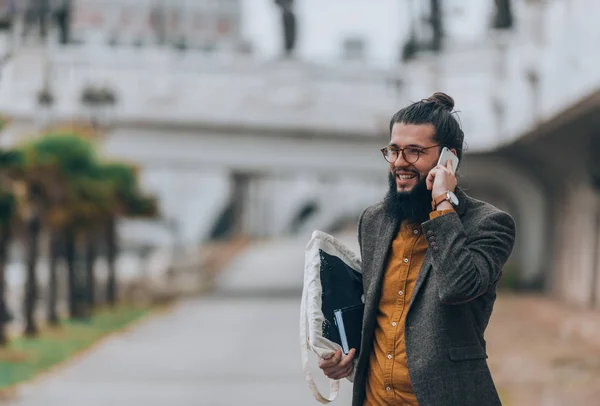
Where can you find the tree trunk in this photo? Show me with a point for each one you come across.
(55, 248)
(111, 257)
(90, 259)
(72, 282)
(4, 241)
(33, 234)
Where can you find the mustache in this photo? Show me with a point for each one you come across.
(397, 171)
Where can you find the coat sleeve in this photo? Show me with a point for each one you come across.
(466, 266)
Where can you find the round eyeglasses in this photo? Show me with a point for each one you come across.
(410, 154)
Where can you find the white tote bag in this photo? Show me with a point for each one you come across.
(332, 280)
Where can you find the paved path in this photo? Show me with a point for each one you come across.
(240, 347)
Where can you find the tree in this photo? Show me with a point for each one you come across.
(129, 202)
(32, 182)
(7, 211)
(7, 205)
(74, 212)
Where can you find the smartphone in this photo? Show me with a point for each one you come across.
(446, 155)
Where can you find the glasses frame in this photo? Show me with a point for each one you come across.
(401, 152)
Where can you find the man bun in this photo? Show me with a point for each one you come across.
(443, 100)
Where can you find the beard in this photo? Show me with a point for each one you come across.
(412, 206)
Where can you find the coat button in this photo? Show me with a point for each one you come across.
(436, 248)
(429, 232)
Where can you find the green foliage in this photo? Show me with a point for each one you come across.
(7, 206)
(74, 156)
(143, 206)
(123, 179)
(10, 158)
(74, 185)
(25, 357)
(130, 199)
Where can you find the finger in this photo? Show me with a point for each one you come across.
(449, 166)
(343, 366)
(430, 179)
(347, 360)
(342, 374)
(331, 361)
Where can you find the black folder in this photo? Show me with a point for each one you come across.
(349, 324)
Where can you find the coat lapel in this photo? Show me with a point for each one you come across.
(387, 232)
(421, 277)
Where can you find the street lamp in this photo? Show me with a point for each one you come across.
(99, 106)
(45, 102)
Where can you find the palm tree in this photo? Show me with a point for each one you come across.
(71, 211)
(129, 202)
(31, 183)
(6, 212)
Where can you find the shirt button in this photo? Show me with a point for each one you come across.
(401, 293)
(389, 356)
(388, 389)
(405, 260)
(394, 323)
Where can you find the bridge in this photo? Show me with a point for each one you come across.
(266, 148)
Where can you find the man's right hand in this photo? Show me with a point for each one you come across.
(338, 366)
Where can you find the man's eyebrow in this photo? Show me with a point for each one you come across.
(408, 146)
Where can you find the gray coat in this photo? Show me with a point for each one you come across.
(451, 303)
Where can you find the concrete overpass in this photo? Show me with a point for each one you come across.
(289, 146)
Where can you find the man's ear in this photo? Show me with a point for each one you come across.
(454, 151)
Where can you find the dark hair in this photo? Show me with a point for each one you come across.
(435, 110)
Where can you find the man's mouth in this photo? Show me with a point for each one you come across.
(405, 176)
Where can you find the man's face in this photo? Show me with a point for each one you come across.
(413, 137)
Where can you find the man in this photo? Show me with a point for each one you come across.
(432, 257)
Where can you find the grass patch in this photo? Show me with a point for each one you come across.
(24, 358)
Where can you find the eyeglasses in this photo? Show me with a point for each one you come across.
(410, 154)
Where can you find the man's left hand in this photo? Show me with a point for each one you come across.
(440, 179)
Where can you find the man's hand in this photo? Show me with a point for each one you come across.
(440, 179)
(338, 366)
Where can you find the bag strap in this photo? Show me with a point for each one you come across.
(334, 385)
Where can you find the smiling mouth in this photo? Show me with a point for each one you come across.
(405, 176)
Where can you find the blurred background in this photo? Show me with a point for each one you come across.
(171, 158)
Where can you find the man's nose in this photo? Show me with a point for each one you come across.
(400, 162)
